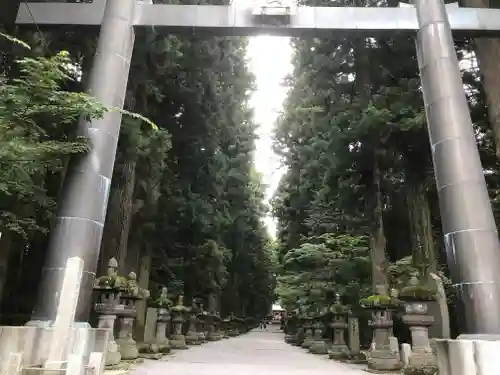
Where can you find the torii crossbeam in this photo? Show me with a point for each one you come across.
(236, 20)
(470, 230)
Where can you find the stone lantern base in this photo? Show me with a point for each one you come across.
(384, 360)
(291, 339)
(318, 347)
(307, 343)
(201, 337)
(338, 352)
(113, 356)
(178, 342)
(233, 332)
(192, 338)
(128, 348)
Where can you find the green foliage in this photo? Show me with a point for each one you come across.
(208, 236)
(184, 191)
(15, 40)
(321, 267)
(401, 271)
(353, 137)
(33, 108)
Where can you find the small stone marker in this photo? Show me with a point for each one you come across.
(444, 317)
(14, 364)
(393, 344)
(97, 363)
(354, 345)
(405, 353)
(74, 365)
(66, 308)
(150, 327)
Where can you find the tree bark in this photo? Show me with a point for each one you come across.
(423, 246)
(118, 217)
(5, 254)
(380, 278)
(488, 56)
(143, 277)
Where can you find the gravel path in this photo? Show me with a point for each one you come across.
(255, 353)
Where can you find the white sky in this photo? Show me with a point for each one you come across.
(270, 61)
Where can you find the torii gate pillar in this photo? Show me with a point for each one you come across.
(80, 220)
(470, 232)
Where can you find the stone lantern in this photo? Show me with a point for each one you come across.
(301, 329)
(291, 327)
(192, 337)
(179, 311)
(108, 306)
(163, 321)
(240, 325)
(226, 327)
(200, 324)
(384, 356)
(416, 298)
(308, 332)
(319, 345)
(129, 296)
(338, 313)
(219, 322)
(233, 326)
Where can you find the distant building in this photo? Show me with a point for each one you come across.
(277, 313)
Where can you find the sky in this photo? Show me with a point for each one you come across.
(270, 61)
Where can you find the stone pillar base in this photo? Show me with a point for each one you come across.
(201, 337)
(338, 352)
(128, 349)
(308, 341)
(467, 357)
(192, 338)
(213, 337)
(152, 351)
(289, 339)
(233, 333)
(421, 359)
(318, 347)
(384, 360)
(113, 358)
(178, 342)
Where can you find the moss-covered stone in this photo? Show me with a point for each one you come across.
(379, 301)
(347, 357)
(417, 293)
(339, 309)
(427, 370)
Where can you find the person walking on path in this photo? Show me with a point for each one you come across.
(263, 324)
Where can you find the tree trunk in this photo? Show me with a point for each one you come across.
(5, 253)
(144, 273)
(488, 55)
(118, 217)
(378, 242)
(380, 279)
(423, 246)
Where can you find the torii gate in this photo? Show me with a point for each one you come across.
(470, 231)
